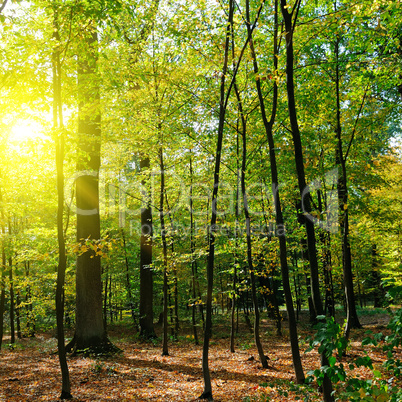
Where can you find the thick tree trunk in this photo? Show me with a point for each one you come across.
(146, 275)
(90, 333)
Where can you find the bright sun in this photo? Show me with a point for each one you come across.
(25, 130)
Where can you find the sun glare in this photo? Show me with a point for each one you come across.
(26, 130)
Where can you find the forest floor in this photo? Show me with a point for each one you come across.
(30, 370)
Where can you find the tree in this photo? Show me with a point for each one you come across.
(90, 332)
(146, 275)
(268, 125)
(352, 321)
(290, 18)
(250, 264)
(61, 269)
(207, 393)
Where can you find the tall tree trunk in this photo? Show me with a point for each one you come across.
(128, 280)
(2, 281)
(61, 269)
(90, 333)
(193, 262)
(30, 319)
(2, 303)
(325, 237)
(290, 18)
(352, 320)
(105, 298)
(257, 339)
(146, 275)
(175, 302)
(11, 289)
(110, 299)
(3, 269)
(207, 393)
(165, 350)
(277, 201)
(236, 261)
(17, 314)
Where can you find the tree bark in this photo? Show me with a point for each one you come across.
(11, 289)
(165, 350)
(257, 339)
(304, 195)
(268, 125)
(236, 262)
(352, 320)
(193, 262)
(90, 333)
(128, 281)
(207, 393)
(3, 271)
(61, 269)
(146, 276)
(2, 284)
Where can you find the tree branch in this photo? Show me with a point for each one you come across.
(356, 121)
(3, 5)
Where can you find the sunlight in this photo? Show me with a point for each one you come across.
(25, 130)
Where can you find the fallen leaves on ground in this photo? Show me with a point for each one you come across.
(30, 372)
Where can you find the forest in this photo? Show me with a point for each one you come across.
(201, 200)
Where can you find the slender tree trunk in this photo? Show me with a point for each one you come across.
(105, 298)
(257, 338)
(128, 281)
(176, 301)
(305, 197)
(277, 202)
(61, 269)
(234, 285)
(2, 303)
(146, 276)
(12, 304)
(2, 283)
(17, 314)
(165, 350)
(3, 270)
(325, 238)
(30, 319)
(352, 320)
(207, 393)
(193, 262)
(110, 299)
(298, 150)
